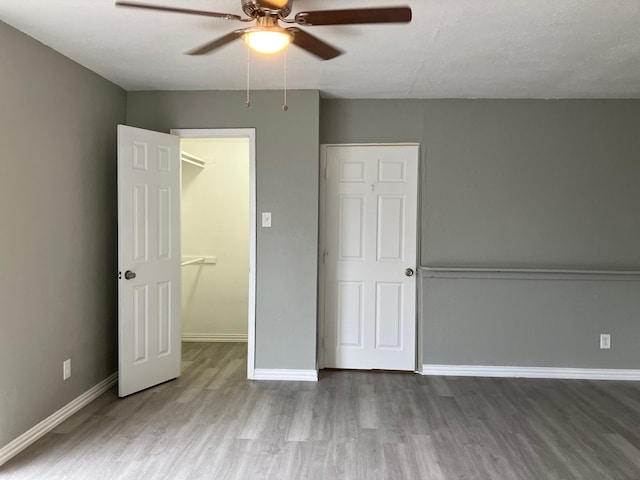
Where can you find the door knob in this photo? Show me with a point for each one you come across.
(408, 272)
(129, 275)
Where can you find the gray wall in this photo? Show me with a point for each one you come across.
(287, 186)
(533, 320)
(57, 230)
(532, 183)
(521, 184)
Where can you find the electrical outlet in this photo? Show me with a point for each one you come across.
(605, 341)
(66, 369)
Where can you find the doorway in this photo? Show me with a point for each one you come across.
(218, 236)
(149, 254)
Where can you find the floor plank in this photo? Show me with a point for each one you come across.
(212, 423)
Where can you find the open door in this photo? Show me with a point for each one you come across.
(148, 258)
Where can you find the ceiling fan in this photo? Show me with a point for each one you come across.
(267, 36)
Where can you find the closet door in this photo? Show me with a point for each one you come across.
(370, 238)
(148, 258)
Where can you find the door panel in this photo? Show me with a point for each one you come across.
(350, 314)
(390, 228)
(389, 310)
(351, 234)
(148, 248)
(370, 237)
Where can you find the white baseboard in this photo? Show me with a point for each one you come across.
(285, 374)
(214, 337)
(52, 421)
(531, 372)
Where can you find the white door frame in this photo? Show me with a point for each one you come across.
(322, 247)
(249, 133)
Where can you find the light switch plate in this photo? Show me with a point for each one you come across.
(266, 219)
(66, 369)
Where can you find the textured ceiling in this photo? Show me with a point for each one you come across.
(451, 49)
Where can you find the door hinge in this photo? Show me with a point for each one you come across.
(325, 173)
(324, 256)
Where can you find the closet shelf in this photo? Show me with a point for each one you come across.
(192, 159)
(193, 260)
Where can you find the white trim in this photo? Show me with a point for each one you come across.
(249, 133)
(531, 372)
(383, 144)
(286, 374)
(322, 242)
(214, 337)
(52, 421)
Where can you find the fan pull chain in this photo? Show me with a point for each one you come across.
(285, 107)
(248, 72)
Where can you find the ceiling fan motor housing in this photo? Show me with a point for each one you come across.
(255, 8)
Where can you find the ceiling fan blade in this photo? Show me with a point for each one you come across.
(354, 16)
(313, 44)
(224, 16)
(211, 46)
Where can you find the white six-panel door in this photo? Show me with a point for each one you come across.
(148, 258)
(370, 242)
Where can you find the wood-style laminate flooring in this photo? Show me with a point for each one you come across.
(212, 423)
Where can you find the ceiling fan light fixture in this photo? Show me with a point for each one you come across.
(267, 40)
(267, 36)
